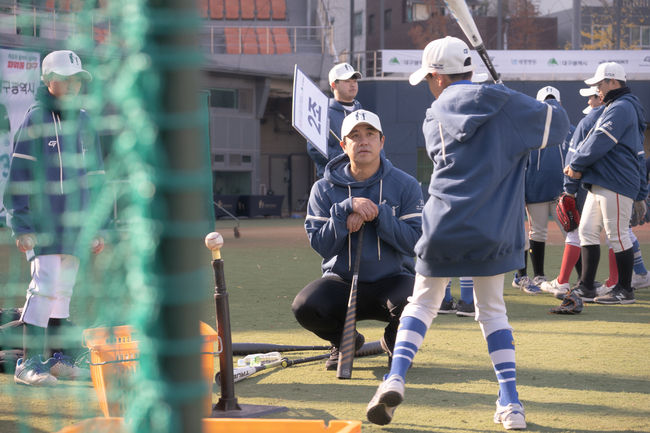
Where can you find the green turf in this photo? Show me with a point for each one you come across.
(584, 373)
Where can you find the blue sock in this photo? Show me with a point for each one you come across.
(639, 266)
(467, 290)
(501, 346)
(410, 335)
(447, 292)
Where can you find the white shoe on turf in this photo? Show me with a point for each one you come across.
(511, 416)
(554, 287)
(640, 281)
(64, 367)
(33, 372)
(383, 404)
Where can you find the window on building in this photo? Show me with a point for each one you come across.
(640, 36)
(371, 24)
(388, 13)
(358, 23)
(224, 98)
(416, 10)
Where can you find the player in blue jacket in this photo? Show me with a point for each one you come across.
(343, 83)
(544, 179)
(55, 166)
(361, 187)
(479, 138)
(611, 164)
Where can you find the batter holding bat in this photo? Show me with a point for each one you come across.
(479, 137)
(360, 187)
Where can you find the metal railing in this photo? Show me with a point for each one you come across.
(366, 62)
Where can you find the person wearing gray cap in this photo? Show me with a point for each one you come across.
(342, 79)
(479, 137)
(58, 155)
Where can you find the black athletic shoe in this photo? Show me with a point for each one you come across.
(618, 295)
(448, 307)
(465, 310)
(586, 294)
(332, 362)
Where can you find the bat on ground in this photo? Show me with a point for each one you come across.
(241, 373)
(250, 348)
(346, 347)
(464, 19)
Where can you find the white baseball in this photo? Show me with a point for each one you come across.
(95, 243)
(214, 241)
(28, 243)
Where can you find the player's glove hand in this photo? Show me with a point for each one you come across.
(26, 242)
(571, 304)
(639, 211)
(567, 212)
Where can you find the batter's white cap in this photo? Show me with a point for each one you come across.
(589, 91)
(547, 91)
(447, 56)
(360, 116)
(611, 70)
(64, 63)
(343, 71)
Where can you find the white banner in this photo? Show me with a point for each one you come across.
(535, 64)
(309, 114)
(20, 76)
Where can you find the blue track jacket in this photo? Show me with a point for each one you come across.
(612, 155)
(335, 113)
(544, 172)
(388, 240)
(55, 164)
(479, 138)
(572, 186)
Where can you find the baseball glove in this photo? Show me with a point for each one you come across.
(572, 304)
(639, 213)
(567, 212)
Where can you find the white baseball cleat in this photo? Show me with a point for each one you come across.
(33, 372)
(640, 281)
(511, 416)
(64, 367)
(554, 287)
(383, 404)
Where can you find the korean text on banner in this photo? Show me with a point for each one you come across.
(309, 114)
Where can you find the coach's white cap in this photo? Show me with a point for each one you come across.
(360, 116)
(547, 91)
(64, 63)
(343, 71)
(611, 70)
(589, 91)
(447, 56)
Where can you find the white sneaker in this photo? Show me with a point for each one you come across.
(511, 416)
(554, 287)
(33, 372)
(539, 279)
(640, 281)
(63, 367)
(603, 289)
(383, 404)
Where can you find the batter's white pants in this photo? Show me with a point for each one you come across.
(49, 292)
(428, 293)
(538, 214)
(611, 211)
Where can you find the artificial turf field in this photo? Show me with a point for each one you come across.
(583, 373)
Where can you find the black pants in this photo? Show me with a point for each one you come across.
(320, 307)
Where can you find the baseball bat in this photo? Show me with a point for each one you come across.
(250, 348)
(241, 373)
(460, 11)
(346, 347)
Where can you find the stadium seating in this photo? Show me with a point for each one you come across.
(263, 8)
(265, 40)
(281, 39)
(232, 9)
(216, 9)
(232, 40)
(279, 8)
(247, 10)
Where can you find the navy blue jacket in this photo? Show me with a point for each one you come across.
(612, 155)
(388, 240)
(56, 162)
(335, 113)
(479, 138)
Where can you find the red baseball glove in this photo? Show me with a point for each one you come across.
(567, 212)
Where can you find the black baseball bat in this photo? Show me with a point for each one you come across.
(346, 348)
(249, 348)
(241, 373)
